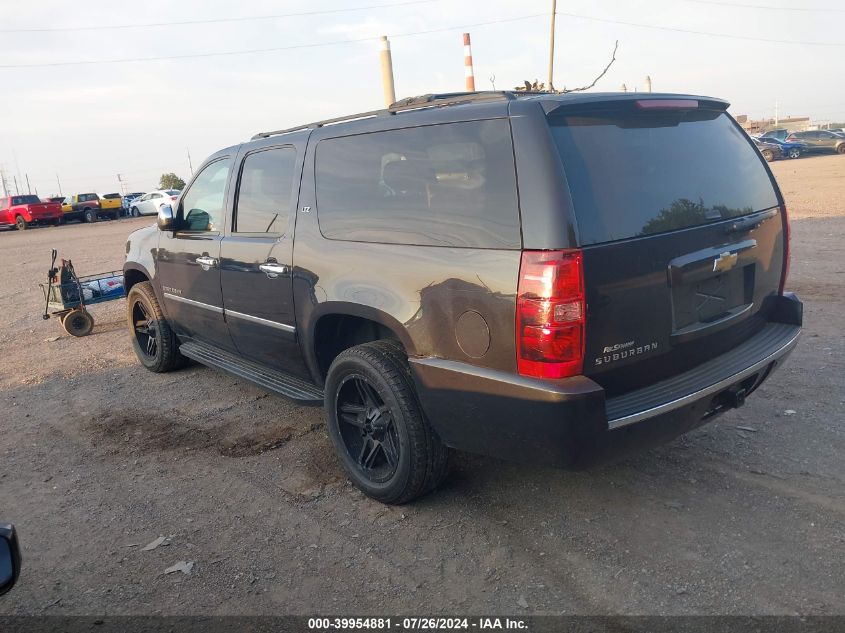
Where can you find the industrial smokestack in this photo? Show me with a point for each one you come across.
(387, 72)
(648, 83)
(468, 71)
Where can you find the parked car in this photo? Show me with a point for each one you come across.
(789, 150)
(837, 130)
(10, 557)
(769, 148)
(127, 200)
(819, 141)
(151, 202)
(111, 202)
(23, 211)
(58, 199)
(779, 134)
(87, 207)
(548, 278)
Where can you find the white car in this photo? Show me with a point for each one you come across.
(151, 202)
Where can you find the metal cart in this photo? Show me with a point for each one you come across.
(68, 295)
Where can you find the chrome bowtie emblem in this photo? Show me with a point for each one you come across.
(724, 262)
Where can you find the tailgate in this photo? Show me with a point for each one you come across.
(109, 203)
(43, 210)
(681, 229)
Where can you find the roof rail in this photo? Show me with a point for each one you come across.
(435, 100)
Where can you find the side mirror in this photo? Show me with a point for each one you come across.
(165, 218)
(10, 558)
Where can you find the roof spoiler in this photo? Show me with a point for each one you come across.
(638, 100)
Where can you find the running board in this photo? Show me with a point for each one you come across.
(278, 382)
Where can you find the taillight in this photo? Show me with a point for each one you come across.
(666, 104)
(550, 314)
(787, 236)
(173, 197)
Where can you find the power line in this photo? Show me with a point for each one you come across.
(740, 5)
(268, 50)
(693, 32)
(61, 29)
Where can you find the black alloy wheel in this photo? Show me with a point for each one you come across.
(146, 332)
(367, 429)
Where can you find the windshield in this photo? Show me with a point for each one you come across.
(633, 174)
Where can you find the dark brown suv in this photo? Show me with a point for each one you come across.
(540, 277)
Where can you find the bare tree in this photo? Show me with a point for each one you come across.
(537, 86)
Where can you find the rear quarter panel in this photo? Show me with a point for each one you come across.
(419, 292)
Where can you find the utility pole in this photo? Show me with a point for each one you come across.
(28, 188)
(387, 72)
(122, 185)
(551, 83)
(190, 164)
(776, 114)
(60, 184)
(469, 73)
(17, 191)
(3, 182)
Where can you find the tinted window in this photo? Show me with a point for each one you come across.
(264, 192)
(111, 196)
(439, 185)
(201, 208)
(636, 174)
(26, 200)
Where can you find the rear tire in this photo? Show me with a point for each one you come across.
(378, 428)
(78, 322)
(89, 215)
(20, 223)
(153, 340)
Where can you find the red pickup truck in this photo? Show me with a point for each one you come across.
(21, 211)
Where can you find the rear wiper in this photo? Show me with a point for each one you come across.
(750, 222)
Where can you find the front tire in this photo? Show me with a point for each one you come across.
(153, 340)
(794, 153)
(377, 426)
(769, 155)
(135, 212)
(841, 149)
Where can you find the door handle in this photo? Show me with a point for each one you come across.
(273, 269)
(206, 262)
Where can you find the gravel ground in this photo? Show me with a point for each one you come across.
(101, 458)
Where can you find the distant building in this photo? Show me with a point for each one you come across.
(791, 123)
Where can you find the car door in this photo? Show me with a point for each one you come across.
(187, 259)
(256, 258)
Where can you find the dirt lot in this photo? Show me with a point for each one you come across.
(100, 457)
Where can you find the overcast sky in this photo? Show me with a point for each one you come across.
(90, 122)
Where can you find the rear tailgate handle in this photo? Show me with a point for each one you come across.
(705, 262)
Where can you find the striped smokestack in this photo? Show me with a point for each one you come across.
(468, 72)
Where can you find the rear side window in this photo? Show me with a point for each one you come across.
(439, 185)
(632, 174)
(264, 191)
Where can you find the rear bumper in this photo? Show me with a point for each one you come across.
(569, 422)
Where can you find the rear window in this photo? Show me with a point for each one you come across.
(87, 197)
(111, 196)
(26, 200)
(633, 174)
(439, 185)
